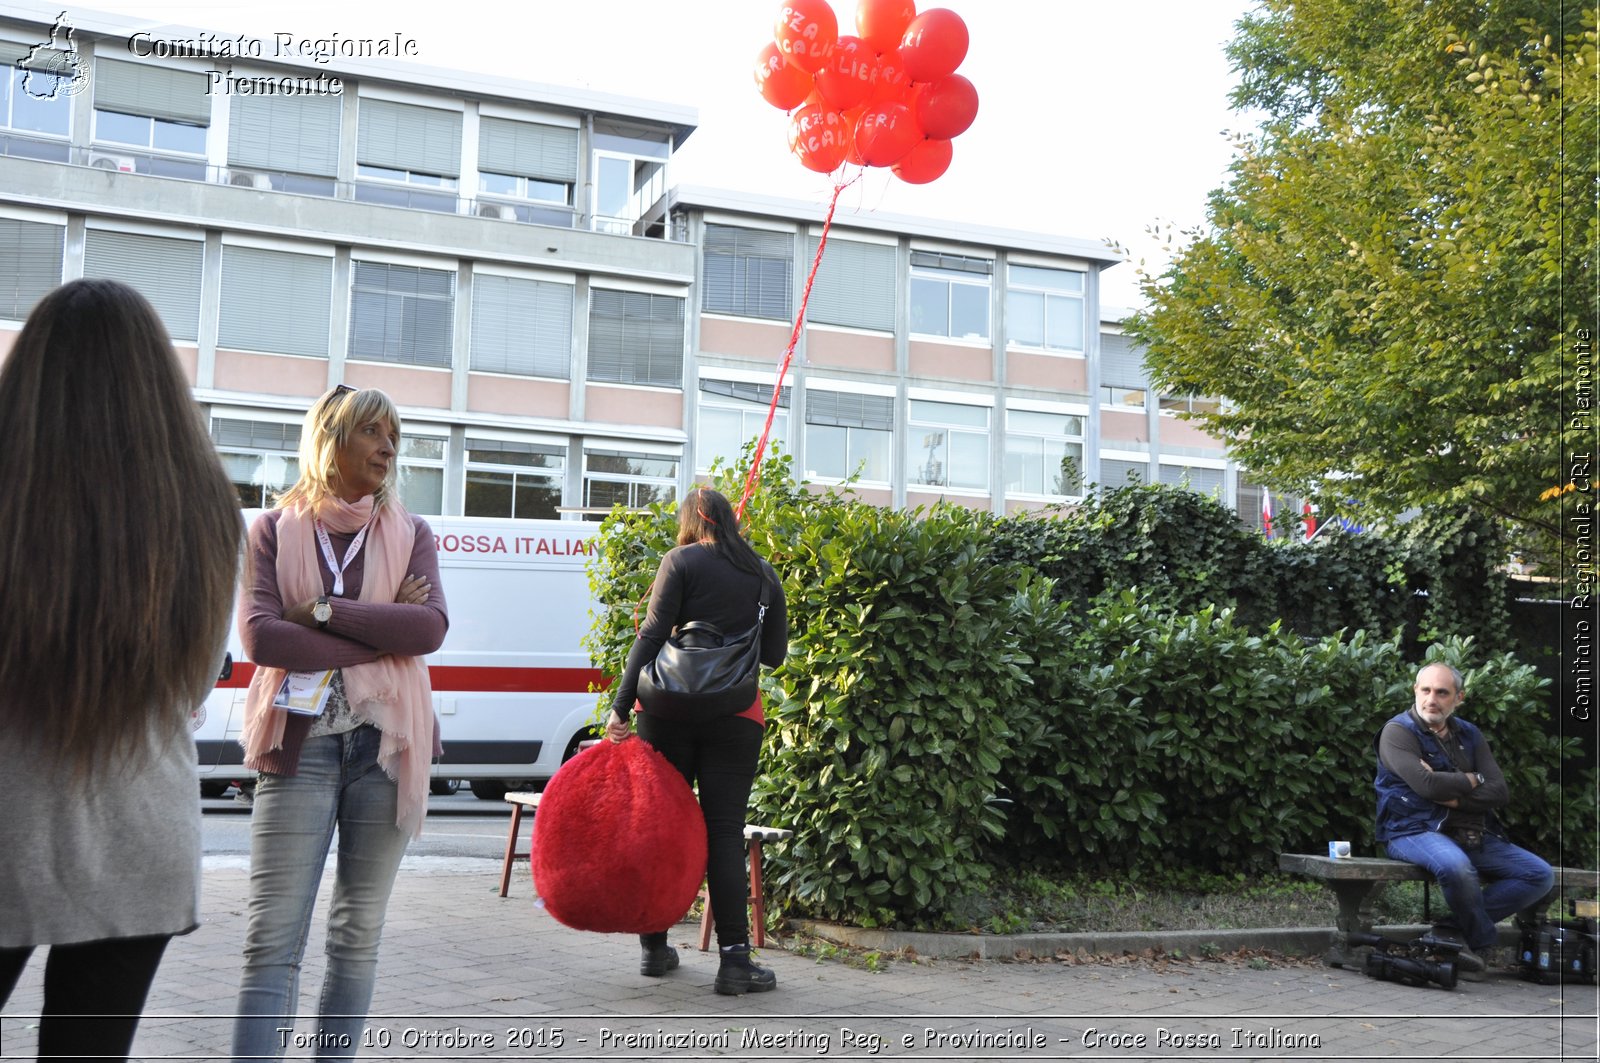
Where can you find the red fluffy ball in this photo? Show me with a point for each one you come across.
(619, 842)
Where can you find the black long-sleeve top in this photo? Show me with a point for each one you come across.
(696, 583)
(1400, 750)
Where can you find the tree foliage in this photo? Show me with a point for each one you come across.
(1383, 288)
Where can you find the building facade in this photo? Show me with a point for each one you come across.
(561, 326)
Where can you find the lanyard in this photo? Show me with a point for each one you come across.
(349, 555)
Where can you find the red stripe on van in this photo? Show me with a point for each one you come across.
(479, 679)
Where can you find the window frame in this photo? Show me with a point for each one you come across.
(1079, 296)
(405, 310)
(948, 277)
(537, 476)
(1064, 438)
(925, 425)
(747, 409)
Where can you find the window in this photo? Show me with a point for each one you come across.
(1200, 480)
(855, 285)
(407, 145)
(748, 272)
(732, 413)
(30, 266)
(616, 477)
(529, 161)
(848, 434)
(295, 139)
(157, 108)
(635, 338)
(259, 456)
(1176, 404)
(275, 301)
(630, 175)
(514, 478)
(521, 326)
(35, 99)
(949, 445)
(1119, 472)
(950, 295)
(1123, 381)
(402, 314)
(422, 472)
(166, 271)
(1044, 454)
(1044, 308)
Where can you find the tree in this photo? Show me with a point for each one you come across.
(1384, 289)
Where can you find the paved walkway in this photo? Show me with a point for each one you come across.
(468, 975)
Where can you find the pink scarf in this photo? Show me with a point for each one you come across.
(393, 692)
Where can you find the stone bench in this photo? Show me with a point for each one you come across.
(1356, 882)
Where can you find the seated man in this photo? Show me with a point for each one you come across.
(1438, 786)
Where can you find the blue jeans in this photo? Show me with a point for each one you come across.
(338, 784)
(1516, 879)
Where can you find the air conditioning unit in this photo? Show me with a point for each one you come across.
(120, 163)
(497, 210)
(249, 179)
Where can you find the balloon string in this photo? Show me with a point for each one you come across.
(788, 354)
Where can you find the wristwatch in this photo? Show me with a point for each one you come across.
(322, 612)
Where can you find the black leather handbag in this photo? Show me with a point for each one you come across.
(701, 674)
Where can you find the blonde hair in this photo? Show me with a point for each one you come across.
(330, 422)
(120, 533)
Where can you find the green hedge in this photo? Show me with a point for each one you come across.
(964, 693)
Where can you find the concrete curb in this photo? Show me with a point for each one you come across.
(1290, 941)
(1300, 941)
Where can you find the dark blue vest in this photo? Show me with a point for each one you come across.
(1401, 810)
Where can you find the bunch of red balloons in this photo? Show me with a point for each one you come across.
(888, 96)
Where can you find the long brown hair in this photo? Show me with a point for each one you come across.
(705, 516)
(119, 535)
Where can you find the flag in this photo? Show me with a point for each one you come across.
(1310, 512)
(1266, 513)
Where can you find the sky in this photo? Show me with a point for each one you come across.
(1096, 121)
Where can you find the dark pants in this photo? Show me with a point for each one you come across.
(720, 757)
(105, 979)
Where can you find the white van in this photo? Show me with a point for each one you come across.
(512, 680)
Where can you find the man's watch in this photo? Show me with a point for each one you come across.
(322, 612)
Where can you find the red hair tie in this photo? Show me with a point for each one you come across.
(705, 517)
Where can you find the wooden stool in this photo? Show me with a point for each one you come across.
(756, 836)
(518, 801)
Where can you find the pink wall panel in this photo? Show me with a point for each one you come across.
(1068, 375)
(612, 405)
(271, 374)
(1116, 425)
(848, 350)
(518, 396)
(950, 361)
(761, 340)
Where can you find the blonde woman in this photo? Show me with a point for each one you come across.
(341, 602)
(119, 545)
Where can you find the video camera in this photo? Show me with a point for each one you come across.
(1420, 961)
(1564, 951)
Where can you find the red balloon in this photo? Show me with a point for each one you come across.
(934, 44)
(848, 75)
(881, 23)
(944, 109)
(819, 138)
(852, 118)
(891, 82)
(925, 162)
(885, 132)
(781, 84)
(805, 30)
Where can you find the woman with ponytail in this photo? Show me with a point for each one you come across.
(714, 575)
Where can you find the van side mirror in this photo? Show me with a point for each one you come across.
(227, 668)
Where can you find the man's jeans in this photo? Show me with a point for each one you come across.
(338, 783)
(1516, 878)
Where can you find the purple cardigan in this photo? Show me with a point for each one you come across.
(359, 631)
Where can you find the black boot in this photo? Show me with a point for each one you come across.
(738, 975)
(656, 956)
